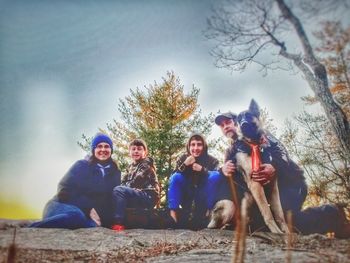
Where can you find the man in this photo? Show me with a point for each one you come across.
(291, 183)
(139, 186)
(228, 124)
(193, 182)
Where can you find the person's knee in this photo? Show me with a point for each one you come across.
(76, 215)
(119, 190)
(76, 219)
(176, 179)
(214, 177)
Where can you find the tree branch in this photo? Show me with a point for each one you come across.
(287, 13)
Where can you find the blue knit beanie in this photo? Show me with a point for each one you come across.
(101, 137)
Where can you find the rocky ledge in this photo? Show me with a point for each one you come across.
(142, 245)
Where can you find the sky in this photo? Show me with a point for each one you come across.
(64, 65)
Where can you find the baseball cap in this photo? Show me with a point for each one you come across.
(226, 115)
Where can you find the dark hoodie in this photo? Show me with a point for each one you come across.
(85, 187)
(142, 175)
(208, 162)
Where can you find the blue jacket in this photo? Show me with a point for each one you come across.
(85, 187)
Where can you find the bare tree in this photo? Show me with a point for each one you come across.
(309, 139)
(265, 32)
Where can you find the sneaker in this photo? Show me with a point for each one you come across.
(344, 227)
(118, 228)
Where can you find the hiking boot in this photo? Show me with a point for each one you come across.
(118, 228)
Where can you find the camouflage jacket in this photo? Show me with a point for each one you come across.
(142, 175)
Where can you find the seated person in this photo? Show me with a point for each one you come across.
(84, 197)
(291, 183)
(139, 187)
(195, 179)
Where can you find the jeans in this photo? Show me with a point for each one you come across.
(204, 195)
(127, 197)
(218, 188)
(61, 215)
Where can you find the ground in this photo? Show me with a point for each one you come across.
(141, 245)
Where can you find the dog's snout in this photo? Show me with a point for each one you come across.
(244, 124)
(242, 119)
(248, 128)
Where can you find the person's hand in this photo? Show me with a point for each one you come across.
(197, 167)
(228, 168)
(95, 217)
(265, 174)
(189, 160)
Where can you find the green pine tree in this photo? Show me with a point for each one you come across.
(164, 116)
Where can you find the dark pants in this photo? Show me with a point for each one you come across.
(321, 219)
(126, 197)
(293, 197)
(61, 215)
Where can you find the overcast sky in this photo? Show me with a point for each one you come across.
(65, 64)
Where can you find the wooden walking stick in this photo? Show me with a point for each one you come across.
(238, 250)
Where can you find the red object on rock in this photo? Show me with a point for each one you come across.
(118, 227)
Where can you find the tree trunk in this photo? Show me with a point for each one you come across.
(316, 75)
(333, 111)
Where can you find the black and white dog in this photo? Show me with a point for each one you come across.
(247, 154)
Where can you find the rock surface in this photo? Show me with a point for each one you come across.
(141, 245)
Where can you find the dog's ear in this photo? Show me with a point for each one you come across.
(254, 108)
